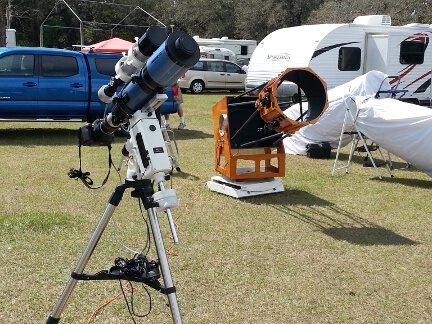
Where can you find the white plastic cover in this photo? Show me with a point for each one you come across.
(329, 126)
(403, 129)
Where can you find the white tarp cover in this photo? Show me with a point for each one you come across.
(329, 126)
(403, 129)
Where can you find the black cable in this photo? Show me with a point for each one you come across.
(147, 245)
(130, 306)
(132, 303)
(118, 173)
(85, 176)
(127, 302)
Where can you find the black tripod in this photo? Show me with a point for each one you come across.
(141, 189)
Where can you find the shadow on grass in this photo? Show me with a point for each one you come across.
(38, 136)
(419, 183)
(290, 197)
(185, 175)
(361, 159)
(187, 134)
(62, 136)
(330, 219)
(368, 236)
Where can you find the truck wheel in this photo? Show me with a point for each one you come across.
(197, 86)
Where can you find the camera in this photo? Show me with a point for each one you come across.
(138, 267)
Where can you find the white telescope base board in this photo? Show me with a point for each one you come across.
(245, 188)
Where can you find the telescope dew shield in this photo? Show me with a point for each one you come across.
(172, 59)
(180, 52)
(314, 89)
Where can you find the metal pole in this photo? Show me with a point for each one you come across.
(41, 36)
(55, 315)
(81, 34)
(163, 260)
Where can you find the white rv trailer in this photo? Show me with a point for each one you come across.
(242, 48)
(217, 53)
(339, 53)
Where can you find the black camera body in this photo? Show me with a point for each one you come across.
(93, 135)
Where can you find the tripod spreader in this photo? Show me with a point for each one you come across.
(118, 274)
(143, 190)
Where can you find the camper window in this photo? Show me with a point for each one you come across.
(412, 52)
(349, 59)
(243, 50)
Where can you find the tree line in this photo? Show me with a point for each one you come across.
(245, 19)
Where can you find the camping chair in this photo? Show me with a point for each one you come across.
(359, 144)
(358, 137)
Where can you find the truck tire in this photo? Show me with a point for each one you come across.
(197, 86)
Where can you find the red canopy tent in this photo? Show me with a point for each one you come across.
(113, 45)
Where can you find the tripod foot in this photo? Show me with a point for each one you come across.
(52, 320)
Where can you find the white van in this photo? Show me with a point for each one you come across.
(339, 53)
(213, 74)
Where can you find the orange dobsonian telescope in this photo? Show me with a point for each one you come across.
(248, 130)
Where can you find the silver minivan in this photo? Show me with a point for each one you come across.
(213, 74)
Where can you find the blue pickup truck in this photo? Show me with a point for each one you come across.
(44, 84)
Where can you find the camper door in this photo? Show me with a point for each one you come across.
(376, 56)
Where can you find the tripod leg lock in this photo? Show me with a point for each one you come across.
(167, 291)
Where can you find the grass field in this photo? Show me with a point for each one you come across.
(343, 249)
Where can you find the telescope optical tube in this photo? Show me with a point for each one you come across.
(172, 59)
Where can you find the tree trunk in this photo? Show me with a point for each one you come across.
(2, 23)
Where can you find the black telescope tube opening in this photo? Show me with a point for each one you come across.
(151, 40)
(182, 49)
(313, 89)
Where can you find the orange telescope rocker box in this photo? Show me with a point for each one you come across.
(248, 130)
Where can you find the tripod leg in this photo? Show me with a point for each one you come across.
(166, 273)
(55, 315)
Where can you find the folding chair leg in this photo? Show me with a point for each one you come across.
(335, 167)
(387, 162)
(378, 174)
(354, 144)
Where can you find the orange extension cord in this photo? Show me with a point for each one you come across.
(100, 307)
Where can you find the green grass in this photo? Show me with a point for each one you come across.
(343, 249)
